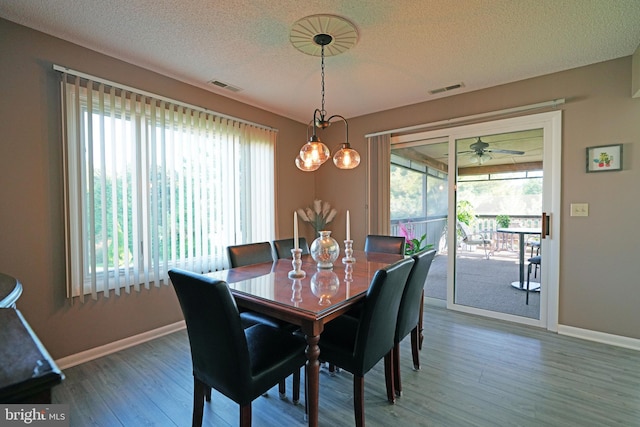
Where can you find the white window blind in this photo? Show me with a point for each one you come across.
(152, 184)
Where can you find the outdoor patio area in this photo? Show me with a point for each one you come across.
(484, 283)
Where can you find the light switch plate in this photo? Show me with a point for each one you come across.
(579, 209)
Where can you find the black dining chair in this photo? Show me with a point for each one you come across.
(240, 363)
(250, 253)
(256, 253)
(357, 344)
(409, 313)
(283, 247)
(385, 244)
(381, 244)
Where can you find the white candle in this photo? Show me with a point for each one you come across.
(295, 230)
(348, 226)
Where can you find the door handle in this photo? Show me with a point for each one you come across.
(545, 225)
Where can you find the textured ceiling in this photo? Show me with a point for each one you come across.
(405, 48)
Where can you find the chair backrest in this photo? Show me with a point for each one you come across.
(385, 244)
(283, 247)
(377, 323)
(409, 311)
(219, 350)
(465, 230)
(251, 253)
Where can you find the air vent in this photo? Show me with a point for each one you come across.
(446, 88)
(224, 85)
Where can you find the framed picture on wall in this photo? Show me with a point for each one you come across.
(604, 158)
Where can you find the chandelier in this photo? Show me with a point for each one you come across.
(307, 35)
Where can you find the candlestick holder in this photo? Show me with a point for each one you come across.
(348, 252)
(296, 298)
(296, 273)
(348, 278)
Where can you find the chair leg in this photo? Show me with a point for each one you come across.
(306, 393)
(388, 376)
(528, 278)
(333, 369)
(415, 353)
(296, 387)
(199, 391)
(207, 394)
(420, 321)
(397, 382)
(282, 389)
(358, 400)
(245, 415)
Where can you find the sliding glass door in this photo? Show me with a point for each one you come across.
(498, 213)
(500, 178)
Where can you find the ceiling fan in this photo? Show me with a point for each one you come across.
(481, 152)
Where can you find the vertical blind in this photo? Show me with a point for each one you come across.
(378, 181)
(152, 184)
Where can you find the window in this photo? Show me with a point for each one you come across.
(417, 192)
(418, 200)
(153, 184)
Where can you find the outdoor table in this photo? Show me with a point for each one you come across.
(533, 286)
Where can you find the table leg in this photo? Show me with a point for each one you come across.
(312, 383)
(521, 244)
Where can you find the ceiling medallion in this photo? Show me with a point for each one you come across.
(343, 33)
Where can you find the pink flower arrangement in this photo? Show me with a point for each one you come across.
(413, 244)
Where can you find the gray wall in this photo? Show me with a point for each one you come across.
(599, 264)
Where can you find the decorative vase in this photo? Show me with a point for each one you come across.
(325, 250)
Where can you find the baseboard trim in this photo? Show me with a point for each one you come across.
(103, 350)
(585, 334)
(436, 302)
(601, 337)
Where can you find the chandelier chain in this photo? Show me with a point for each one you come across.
(322, 112)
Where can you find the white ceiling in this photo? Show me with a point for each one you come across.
(405, 48)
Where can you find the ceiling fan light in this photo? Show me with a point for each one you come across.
(346, 157)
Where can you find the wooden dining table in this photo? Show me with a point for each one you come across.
(309, 302)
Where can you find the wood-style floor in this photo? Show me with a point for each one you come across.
(475, 372)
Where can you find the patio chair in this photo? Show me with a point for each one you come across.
(534, 244)
(533, 261)
(470, 238)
